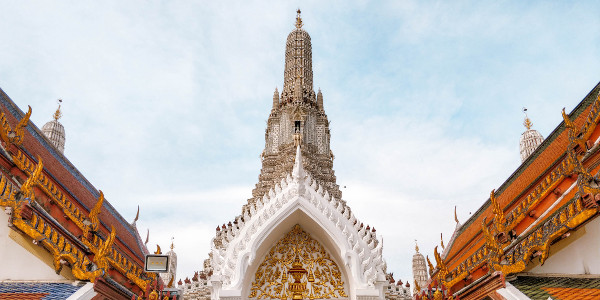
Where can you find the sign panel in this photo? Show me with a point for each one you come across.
(156, 263)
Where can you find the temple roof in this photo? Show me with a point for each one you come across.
(526, 175)
(560, 287)
(37, 290)
(69, 179)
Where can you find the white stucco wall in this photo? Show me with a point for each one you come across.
(17, 262)
(580, 256)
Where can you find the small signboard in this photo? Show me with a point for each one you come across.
(156, 263)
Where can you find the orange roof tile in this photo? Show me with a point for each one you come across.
(573, 293)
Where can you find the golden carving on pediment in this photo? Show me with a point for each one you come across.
(278, 276)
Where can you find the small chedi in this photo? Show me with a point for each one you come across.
(295, 237)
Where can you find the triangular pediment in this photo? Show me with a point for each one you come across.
(239, 247)
(298, 266)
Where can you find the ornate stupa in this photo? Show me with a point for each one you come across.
(169, 278)
(530, 139)
(296, 238)
(297, 117)
(419, 270)
(54, 131)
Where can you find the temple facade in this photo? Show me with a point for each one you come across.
(295, 237)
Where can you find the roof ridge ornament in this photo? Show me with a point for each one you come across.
(137, 216)
(298, 171)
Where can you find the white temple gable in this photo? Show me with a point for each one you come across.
(297, 199)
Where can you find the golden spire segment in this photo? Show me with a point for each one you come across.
(298, 19)
(416, 246)
(58, 113)
(527, 123)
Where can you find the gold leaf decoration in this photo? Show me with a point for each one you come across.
(27, 187)
(93, 216)
(19, 131)
(499, 219)
(323, 279)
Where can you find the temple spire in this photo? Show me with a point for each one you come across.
(530, 139)
(419, 269)
(296, 121)
(320, 100)
(298, 19)
(58, 113)
(527, 123)
(275, 99)
(298, 63)
(54, 130)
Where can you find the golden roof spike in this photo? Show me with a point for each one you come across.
(58, 113)
(527, 123)
(172, 242)
(298, 19)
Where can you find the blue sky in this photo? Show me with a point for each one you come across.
(165, 103)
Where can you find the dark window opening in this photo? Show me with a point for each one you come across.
(297, 126)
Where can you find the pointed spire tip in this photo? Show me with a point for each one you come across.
(58, 114)
(298, 19)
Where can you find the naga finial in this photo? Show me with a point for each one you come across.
(94, 212)
(499, 218)
(18, 134)
(27, 187)
(298, 19)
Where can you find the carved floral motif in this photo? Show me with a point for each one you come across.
(323, 278)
